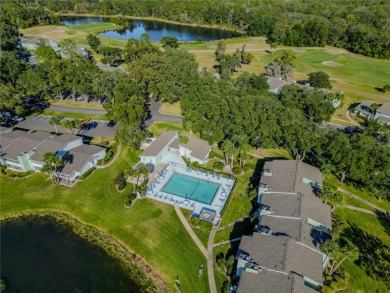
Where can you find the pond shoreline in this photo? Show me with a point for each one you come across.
(234, 30)
(136, 267)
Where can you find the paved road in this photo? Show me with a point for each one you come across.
(92, 128)
(154, 108)
(77, 110)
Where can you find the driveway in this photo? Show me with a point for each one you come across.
(92, 128)
(154, 108)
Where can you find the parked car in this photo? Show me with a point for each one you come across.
(17, 118)
(6, 115)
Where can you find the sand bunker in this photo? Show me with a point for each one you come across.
(335, 51)
(331, 64)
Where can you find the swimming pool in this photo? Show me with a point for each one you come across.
(191, 188)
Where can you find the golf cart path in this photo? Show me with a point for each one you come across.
(208, 254)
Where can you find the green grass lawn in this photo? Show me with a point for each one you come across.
(74, 115)
(333, 180)
(150, 229)
(70, 103)
(359, 280)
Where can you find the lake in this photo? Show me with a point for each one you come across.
(156, 30)
(41, 255)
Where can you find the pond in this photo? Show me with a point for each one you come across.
(41, 255)
(156, 29)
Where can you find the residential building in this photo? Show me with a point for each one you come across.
(159, 148)
(79, 160)
(279, 254)
(363, 110)
(168, 143)
(267, 281)
(382, 115)
(23, 151)
(276, 84)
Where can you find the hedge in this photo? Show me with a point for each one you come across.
(220, 156)
(237, 170)
(206, 225)
(195, 221)
(86, 174)
(212, 155)
(219, 166)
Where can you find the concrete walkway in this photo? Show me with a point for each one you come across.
(210, 261)
(190, 231)
(227, 241)
(362, 200)
(365, 211)
(207, 253)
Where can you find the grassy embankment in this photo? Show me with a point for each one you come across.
(150, 229)
(74, 115)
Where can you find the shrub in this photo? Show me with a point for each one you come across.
(230, 264)
(219, 166)
(195, 164)
(212, 155)
(195, 221)
(86, 174)
(237, 170)
(206, 225)
(220, 156)
(132, 196)
(119, 179)
(122, 186)
(104, 143)
(248, 168)
(108, 156)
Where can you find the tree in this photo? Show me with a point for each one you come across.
(169, 42)
(93, 42)
(332, 196)
(227, 64)
(46, 53)
(68, 48)
(319, 79)
(338, 254)
(199, 40)
(67, 124)
(273, 46)
(55, 121)
(386, 88)
(221, 47)
(183, 139)
(77, 124)
(374, 107)
(52, 163)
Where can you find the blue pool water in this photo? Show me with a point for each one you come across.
(191, 188)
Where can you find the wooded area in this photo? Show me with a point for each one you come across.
(359, 26)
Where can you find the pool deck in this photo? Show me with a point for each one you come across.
(156, 185)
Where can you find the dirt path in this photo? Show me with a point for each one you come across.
(350, 119)
(365, 211)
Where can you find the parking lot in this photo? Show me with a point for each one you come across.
(93, 128)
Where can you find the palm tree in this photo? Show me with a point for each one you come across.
(52, 163)
(374, 107)
(132, 173)
(332, 196)
(142, 171)
(339, 254)
(55, 121)
(67, 124)
(77, 124)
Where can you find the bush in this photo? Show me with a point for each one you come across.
(104, 143)
(86, 174)
(212, 155)
(237, 170)
(108, 156)
(248, 168)
(132, 196)
(122, 186)
(206, 225)
(17, 174)
(219, 166)
(220, 156)
(195, 164)
(195, 221)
